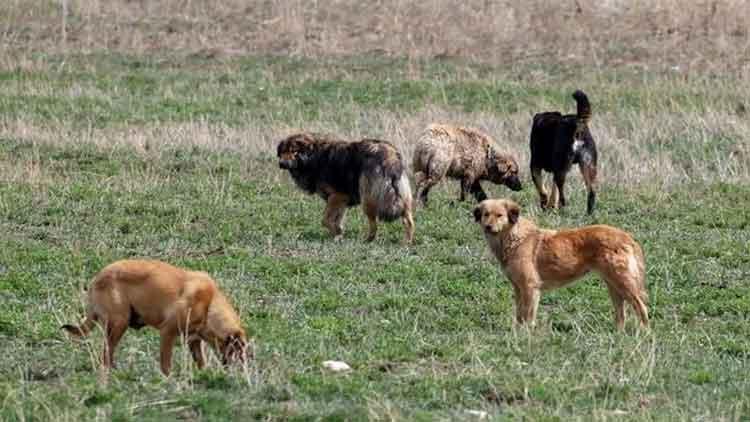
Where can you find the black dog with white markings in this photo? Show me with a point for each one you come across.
(559, 141)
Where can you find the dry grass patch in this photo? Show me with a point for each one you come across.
(707, 35)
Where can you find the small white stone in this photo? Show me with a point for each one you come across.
(619, 412)
(480, 414)
(336, 366)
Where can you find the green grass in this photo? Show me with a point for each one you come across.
(115, 90)
(427, 328)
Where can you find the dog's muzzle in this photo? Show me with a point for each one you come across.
(286, 164)
(513, 183)
(489, 230)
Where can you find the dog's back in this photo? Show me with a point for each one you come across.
(551, 140)
(455, 144)
(558, 140)
(145, 292)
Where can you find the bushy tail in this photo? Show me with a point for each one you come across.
(641, 260)
(583, 113)
(388, 187)
(640, 303)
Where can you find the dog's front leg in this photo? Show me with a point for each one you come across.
(334, 214)
(168, 337)
(466, 184)
(115, 331)
(527, 301)
(478, 192)
(408, 220)
(371, 211)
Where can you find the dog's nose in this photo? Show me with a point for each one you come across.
(514, 184)
(284, 164)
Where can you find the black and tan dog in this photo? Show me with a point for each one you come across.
(369, 172)
(177, 302)
(536, 259)
(461, 153)
(559, 141)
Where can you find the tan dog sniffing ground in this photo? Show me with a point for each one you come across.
(536, 259)
(461, 153)
(177, 302)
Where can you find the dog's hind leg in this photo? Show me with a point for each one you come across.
(618, 302)
(589, 178)
(334, 214)
(559, 178)
(553, 197)
(419, 179)
(538, 178)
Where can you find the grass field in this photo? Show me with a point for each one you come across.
(116, 158)
(108, 154)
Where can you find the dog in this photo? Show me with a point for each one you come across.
(177, 302)
(461, 153)
(557, 142)
(536, 259)
(345, 174)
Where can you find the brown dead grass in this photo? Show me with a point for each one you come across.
(661, 150)
(705, 35)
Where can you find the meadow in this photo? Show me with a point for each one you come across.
(162, 146)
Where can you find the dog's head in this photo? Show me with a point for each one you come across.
(503, 170)
(496, 215)
(235, 348)
(294, 150)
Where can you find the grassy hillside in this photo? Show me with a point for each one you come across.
(117, 156)
(148, 129)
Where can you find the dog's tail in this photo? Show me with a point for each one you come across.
(387, 186)
(637, 264)
(583, 113)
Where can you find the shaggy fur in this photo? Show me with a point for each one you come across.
(177, 302)
(369, 172)
(461, 153)
(558, 142)
(536, 259)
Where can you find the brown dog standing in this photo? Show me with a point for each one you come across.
(368, 172)
(536, 259)
(177, 302)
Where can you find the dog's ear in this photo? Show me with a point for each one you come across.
(477, 213)
(513, 212)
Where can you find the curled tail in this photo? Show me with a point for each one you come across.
(583, 113)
